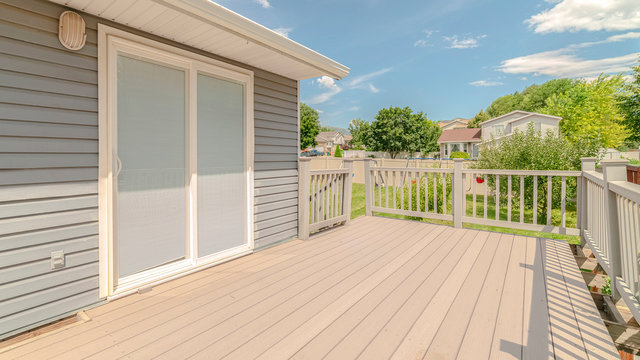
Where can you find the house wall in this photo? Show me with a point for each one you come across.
(540, 123)
(49, 163)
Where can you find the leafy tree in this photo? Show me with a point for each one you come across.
(630, 107)
(534, 97)
(325, 129)
(505, 104)
(338, 152)
(309, 126)
(590, 112)
(531, 150)
(480, 117)
(360, 131)
(396, 129)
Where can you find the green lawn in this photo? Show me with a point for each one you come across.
(358, 209)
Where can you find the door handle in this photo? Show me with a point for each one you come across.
(118, 165)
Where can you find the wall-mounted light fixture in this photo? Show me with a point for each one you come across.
(72, 30)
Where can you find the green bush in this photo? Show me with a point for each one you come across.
(338, 152)
(531, 150)
(459, 155)
(418, 203)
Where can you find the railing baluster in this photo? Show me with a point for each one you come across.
(333, 195)
(563, 194)
(444, 193)
(549, 198)
(409, 175)
(395, 206)
(379, 188)
(435, 193)
(386, 188)
(486, 195)
(426, 192)
(474, 179)
(521, 199)
(314, 191)
(497, 197)
(535, 199)
(402, 190)
(509, 198)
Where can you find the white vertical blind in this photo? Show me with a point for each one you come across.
(151, 195)
(221, 164)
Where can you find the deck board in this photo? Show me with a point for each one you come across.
(378, 288)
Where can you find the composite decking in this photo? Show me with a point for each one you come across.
(378, 288)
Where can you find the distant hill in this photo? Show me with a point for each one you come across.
(343, 131)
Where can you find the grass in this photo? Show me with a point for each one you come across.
(358, 209)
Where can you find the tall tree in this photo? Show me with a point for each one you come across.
(534, 97)
(630, 106)
(480, 117)
(396, 129)
(590, 112)
(309, 126)
(505, 104)
(360, 131)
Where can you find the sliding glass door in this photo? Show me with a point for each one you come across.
(151, 165)
(178, 145)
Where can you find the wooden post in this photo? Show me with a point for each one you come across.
(457, 194)
(346, 205)
(368, 187)
(613, 170)
(587, 164)
(304, 177)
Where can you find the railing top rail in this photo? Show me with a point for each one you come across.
(425, 170)
(329, 171)
(523, 172)
(626, 189)
(594, 176)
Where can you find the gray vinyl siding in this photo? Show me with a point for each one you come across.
(49, 164)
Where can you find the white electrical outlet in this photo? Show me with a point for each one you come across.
(57, 259)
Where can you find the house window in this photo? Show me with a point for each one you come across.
(455, 147)
(474, 148)
(498, 130)
(466, 148)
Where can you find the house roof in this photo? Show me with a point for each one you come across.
(326, 136)
(462, 121)
(523, 113)
(461, 135)
(208, 26)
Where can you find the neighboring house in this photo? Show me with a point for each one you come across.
(457, 123)
(466, 140)
(327, 141)
(507, 124)
(155, 149)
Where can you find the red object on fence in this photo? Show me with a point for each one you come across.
(633, 174)
(479, 180)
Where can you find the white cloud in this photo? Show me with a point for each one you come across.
(590, 15)
(360, 82)
(332, 90)
(468, 42)
(420, 43)
(366, 77)
(565, 62)
(354, 108)
(264, 3)
(485, 83)
(423, 42)
(283, 31)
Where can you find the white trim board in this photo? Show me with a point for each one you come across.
(110, 42)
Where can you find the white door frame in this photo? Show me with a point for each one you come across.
(111, 42)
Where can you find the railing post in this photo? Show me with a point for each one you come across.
(304, 178)
(586, 164)
(613, 170)
(368, 189)
(348, 181)
(457, 196)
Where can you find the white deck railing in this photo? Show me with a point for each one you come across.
(607, 207)
(324, 197)
(611, 227)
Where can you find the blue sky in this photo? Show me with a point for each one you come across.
(448, 58)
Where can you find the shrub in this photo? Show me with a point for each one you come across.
(338, 152)
(459, 155)
(530, 150)
(418, 200)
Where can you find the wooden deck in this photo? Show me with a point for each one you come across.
(376, 289)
